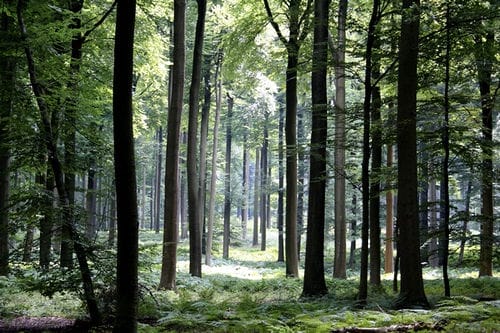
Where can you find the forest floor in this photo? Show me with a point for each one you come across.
(247, 293)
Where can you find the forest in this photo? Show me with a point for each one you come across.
(249, 166)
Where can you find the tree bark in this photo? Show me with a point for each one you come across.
(485, 56)
(281, 253)
(256, 199)
(171, 223)
(339, 265)
(194, 203)
(244, 191)
(314, 271)
(389, 224)
(7, 83)
(125, 178)
(412, 287)
(158, 180)
(227, 182)
(264, 188)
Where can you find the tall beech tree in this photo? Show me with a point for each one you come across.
(298, 15)
(412, 285)
(314, 271)
(171, 221)
(227, 179)
(194, 202)
(339, 265)
(125, 178)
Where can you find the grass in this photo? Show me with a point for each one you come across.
(250, 293)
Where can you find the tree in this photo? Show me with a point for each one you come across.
(227, 182)
(125, 179)
(7, 79)
(171, 223)
(485, 56)
(298, 28)
(412, 286)
(367, 105)
(194, 202)
(314, 271)
(281, 253)
(339, 266)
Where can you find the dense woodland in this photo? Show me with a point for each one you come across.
(252, 165)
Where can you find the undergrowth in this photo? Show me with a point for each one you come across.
(250, 293)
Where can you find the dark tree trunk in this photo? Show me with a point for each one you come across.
(7, 81)
(205, 113)
(339, 265)
(244, 191)
(389, 224)
(375, 256)
(171, 223)
(445, 138)
(91, 202)
(194, 203)
(158, 180)
(485, 57)
(314, 272)
(227, 182)
(354, 232)
(412, 286)
(183, 201)
(433, 245)
(28, 243)
(264, 188)
(125, 178)
(281, 253)
(363, 282)
(301, 173)
(256, 199)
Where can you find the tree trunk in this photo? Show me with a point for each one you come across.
(125, 178)
(183, 201)
(281, 253)
(354, 233)
(463, 239)
(7, 83)
(171, 223)
(389, 224)
(301, 173)
(227, 182)
(158, 180)
(264, 188)
(445, 138)
(205, 113)
(339, 265)
(28, 244)
(47, 221)
(433, 245)
(91, 197)
(194, 203)
(485, 57)
(374, 210)
(244, 191)
(314, 272)
(363, 282)
(412, 286)
(256, 199)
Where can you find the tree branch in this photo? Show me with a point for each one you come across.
(274, 24)
(98, 23)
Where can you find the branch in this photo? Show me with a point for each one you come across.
(275, 25)
(98, 23)
(305, 19)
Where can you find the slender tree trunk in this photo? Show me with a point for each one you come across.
(171, 223)
(205, 113)
(264, 188)
(158, 180)
(339, 265)
(485, 57)
(363, 283)
(213, 176)
(227, 186)
(412, 285)
(389, 224)
(183, 201)
(47, 222)
(194, 202)
(433, 245)
(314, 272)
(301, 173)
(281, 253)
(90, 202)
(7, 83)
(28, 243)
(244, 194)
(445, 138)
(256, 199)
(354, 232)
